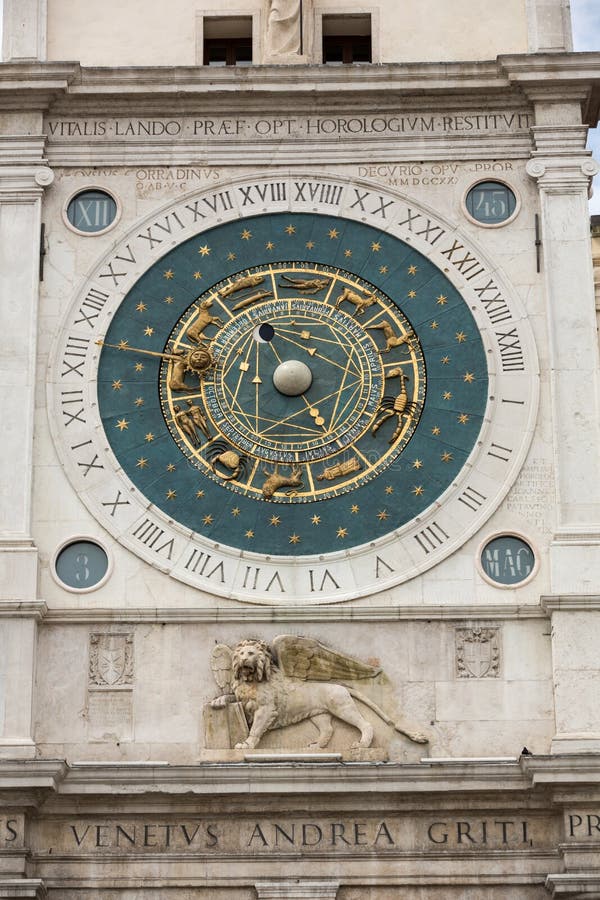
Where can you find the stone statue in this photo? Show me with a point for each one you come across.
(284, 28)
(295, 680)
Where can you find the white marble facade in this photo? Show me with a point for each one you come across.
(120, 774)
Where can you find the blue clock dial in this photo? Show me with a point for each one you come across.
(293, 384)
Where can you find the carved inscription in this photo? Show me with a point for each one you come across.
(530, 496)
(346, 126)
(243, 834)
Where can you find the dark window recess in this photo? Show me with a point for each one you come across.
(346, 49)
(228, 51)
(347, 39)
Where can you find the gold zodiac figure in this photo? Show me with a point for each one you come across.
(228, 459)
(198, 361)
(361, 303)
(202, 321)
(275, 481)
(398, 406)
(190, 420)
(239, 284)
(391, 339)
(347, 467)
(307, 286)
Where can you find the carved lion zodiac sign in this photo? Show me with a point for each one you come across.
(292, 681)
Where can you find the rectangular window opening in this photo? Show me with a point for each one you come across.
(346, 40)
(228, 41)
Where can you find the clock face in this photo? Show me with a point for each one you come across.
(296, 402)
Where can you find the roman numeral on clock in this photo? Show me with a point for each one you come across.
(472, 499)
(431, 538)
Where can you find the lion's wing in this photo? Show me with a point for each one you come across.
(220, 662)
(310, 660)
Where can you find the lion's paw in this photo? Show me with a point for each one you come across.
(243, 745)
(418, 737)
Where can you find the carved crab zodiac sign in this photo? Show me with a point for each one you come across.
(225, 462)
(293, 680)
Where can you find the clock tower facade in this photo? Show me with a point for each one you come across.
(301, 476)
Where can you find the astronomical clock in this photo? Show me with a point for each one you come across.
(303, 390)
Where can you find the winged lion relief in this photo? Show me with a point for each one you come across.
(294, 679)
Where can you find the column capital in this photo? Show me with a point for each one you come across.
(563, 174)
(575, 887)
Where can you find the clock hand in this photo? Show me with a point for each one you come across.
(198, 361)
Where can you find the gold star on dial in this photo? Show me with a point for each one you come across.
(141, 306)
(208, 519)
(139, 367)
(246, 234)
(171, 494)
(436, 430)
(389, 489)
(418, 490)
(149, 437)
(168, 274)
(123, 345)
(447, 395)
(441, 300)
(447, 457)
(117, 385)
(383, 270)
(375, 246)
(168, 300)
(148, 331)
(310, 245)
(333, 234)
(412, 270)
(197, 275)
(275, 521)
(316, 520)
(270, 245)
(122, 425)
(142, 462)
(204, 251)
(290, 229)
(294, 538)
(231, 256)
(445, 360)
(139, 401)
(469, 377)
(412, 294)
(461, 337)
(347, 253)
(382, 515)
(463, 418)
(199, 495)
(354, 509)
(235, 511)
(418, 464)
(170, 467)
(434, 325)
(249, 534)
(342, 532)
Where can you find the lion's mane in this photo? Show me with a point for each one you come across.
(264, 663)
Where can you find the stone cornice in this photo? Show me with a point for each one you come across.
(33, 86)
(569, 777)
(571, 603)
(289, 614)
